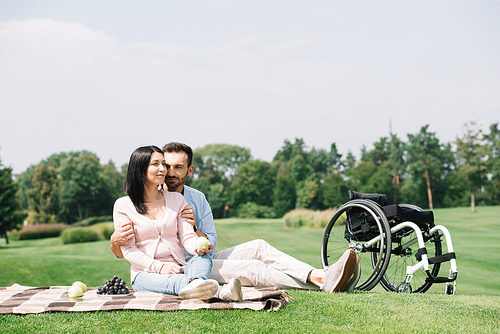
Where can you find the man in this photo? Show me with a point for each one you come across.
(255, 263)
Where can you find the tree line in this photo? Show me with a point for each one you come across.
(421, 170)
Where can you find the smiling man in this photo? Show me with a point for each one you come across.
(255, 263)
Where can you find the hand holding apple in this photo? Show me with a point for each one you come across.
(202, 246)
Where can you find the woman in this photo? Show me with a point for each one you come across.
(155, 254)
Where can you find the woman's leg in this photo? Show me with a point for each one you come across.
(169, 284)
(198, 267)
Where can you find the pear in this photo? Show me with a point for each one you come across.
(81, 285)
(75, 292)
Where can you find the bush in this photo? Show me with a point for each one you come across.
(307, 218)
(40, 231)
(93, 220)
(77, 235)
(104, 229)
(253, 210)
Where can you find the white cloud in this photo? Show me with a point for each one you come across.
(34, 48)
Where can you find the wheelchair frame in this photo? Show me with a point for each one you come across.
(384, 238)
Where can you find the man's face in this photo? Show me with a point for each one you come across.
(177, 170)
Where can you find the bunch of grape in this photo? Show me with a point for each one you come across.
(114, 286)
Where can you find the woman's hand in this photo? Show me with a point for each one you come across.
(171, 268)
(205, 250)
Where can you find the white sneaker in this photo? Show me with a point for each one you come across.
(231, 291)
(199, 289)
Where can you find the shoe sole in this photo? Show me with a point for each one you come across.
(204, 291)
(354, 279)
(348, 270)
(237, 284)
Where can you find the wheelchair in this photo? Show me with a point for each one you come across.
(398, 245)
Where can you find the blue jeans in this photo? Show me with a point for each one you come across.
(197, 267)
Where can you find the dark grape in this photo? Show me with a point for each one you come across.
(114, 286)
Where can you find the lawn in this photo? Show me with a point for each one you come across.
(475, 308)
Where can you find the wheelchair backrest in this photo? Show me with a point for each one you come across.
(381, 199)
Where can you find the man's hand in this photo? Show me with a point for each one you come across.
(171, 268)
(188, 214)
(122, 236)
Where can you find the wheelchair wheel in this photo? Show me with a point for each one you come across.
(401, 258)
(339, 236)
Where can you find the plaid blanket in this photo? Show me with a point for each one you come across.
(23, 300)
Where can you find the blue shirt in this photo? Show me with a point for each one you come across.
(204, 218)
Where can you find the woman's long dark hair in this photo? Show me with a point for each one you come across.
(137, 175)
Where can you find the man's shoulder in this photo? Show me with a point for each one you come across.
(194, 195)
(193, 192)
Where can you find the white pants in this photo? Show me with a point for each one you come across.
(257, 263)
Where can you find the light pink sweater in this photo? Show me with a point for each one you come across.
(156, 241)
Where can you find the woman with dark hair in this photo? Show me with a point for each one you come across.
(155, 253)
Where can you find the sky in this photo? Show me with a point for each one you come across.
(109, 76)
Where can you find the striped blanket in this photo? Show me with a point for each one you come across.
(22, 300)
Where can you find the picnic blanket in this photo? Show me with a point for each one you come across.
(23, 300)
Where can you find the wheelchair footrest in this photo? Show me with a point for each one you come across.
(434, 279)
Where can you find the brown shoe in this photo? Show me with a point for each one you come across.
(338, 274)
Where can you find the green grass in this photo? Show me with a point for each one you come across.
(475, 308)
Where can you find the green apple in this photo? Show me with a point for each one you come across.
(200, 243)
(75, 292)
(81, 285)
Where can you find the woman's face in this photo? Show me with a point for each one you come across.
(157, 169)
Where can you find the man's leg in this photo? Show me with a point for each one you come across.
(257, 263)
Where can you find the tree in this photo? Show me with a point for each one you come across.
(307, 191)
(427, 159)
(42, 196)
(219, 162)
(284, 191)
(493, 142)
(473, 152)
(113, 187)
(395, 163)
(290, 151)
(217, 198)
(80, 186)
(253, 182)
(379, 154)
(10, 217)
(333, 191)
(323, 162)
(359, 176)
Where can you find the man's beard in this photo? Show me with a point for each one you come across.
(177, 183)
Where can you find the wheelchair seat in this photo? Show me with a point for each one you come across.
(404, 213)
